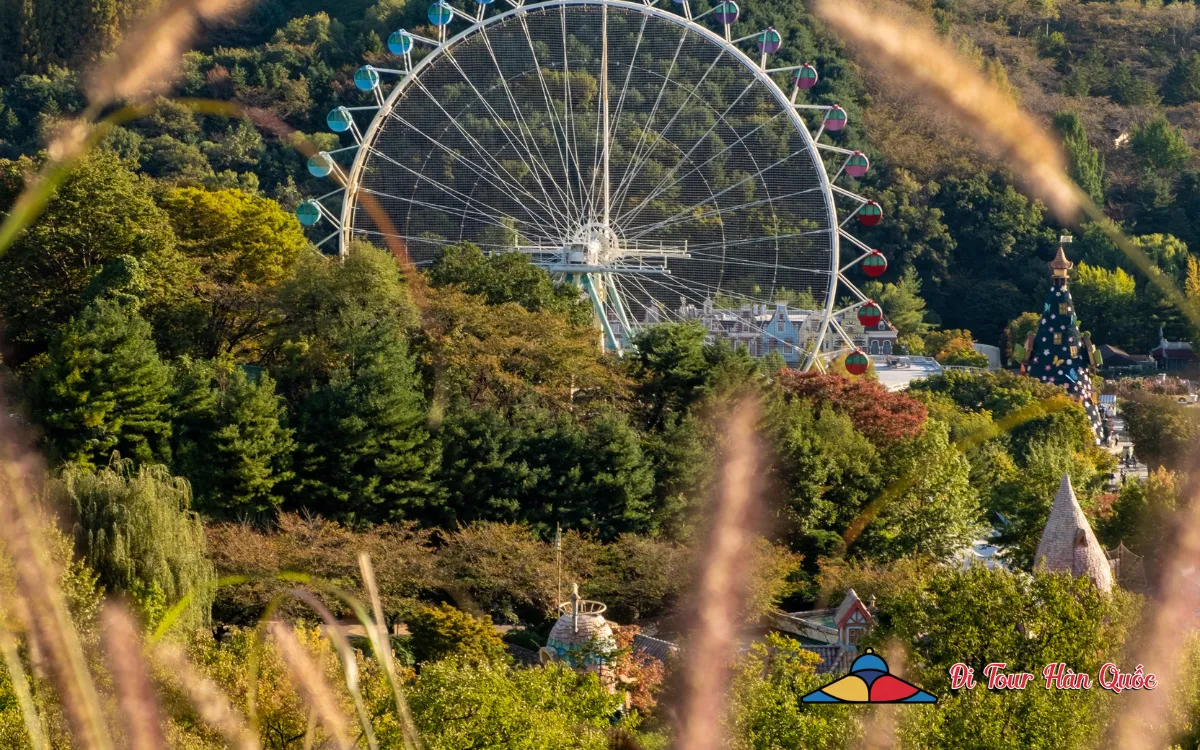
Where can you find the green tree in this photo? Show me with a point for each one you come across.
(954, 347)
(135, 528)
(1016, 332)
(103, 389)
(245, 247)
(230, 440)
(765, 708)
(1144, 517)
(1182, 85)
(1160, 145)
(1130, 89)
(459, 705)
(101, 211)
(442, 631)
(669, 367)
(1163, 432)
(930, 506)
(902, 302)
(979, 616)
(1106, 303)
(363, 450)
(508, 277)
(1085, 163)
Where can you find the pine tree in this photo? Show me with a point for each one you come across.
(363, 450)
(135, 529)
(1183, 82)
(230, 439)
(104, 389)
(1086, 164)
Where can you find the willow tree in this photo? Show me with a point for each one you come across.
(136, 530)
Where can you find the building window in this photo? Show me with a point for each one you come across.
(1074, 351)
(1063, 308)
(779, 326)
(1058, 338)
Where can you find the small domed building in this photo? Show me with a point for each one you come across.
(581, 638)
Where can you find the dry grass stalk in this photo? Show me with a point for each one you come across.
(308, 677)
(1145, 722)
(916, 57)
(47, 623)
(145, 63)
(206, 697)
(136, 696)
(377, 631)
(347, 655)
(20, 685)
(721, 592)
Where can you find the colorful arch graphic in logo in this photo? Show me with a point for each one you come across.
(869, 682)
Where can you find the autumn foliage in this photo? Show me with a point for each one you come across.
(882, 416)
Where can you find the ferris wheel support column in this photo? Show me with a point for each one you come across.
(608, 339)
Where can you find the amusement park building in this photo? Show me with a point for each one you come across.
(762, 329)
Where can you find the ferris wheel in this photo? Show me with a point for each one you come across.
(649, 155)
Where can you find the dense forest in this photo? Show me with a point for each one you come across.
(228, 417)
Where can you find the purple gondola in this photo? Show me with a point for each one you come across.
(726, 13)
(769, 41)
(806, 77)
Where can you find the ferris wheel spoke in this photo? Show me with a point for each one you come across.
(636, 167)
(653, 110)
(552, 111)
(526, 131)
(479, 217)
(705, 258)
(666, 180)
(431, 240)
(569, 115)
(491, 210)
(531, 161)
(495, 180)
(478, 147)
(693, 249)
(684, 213)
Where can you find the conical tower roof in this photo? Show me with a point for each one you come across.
(1068, 543)
(1060, 265)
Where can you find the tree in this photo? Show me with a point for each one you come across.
(500, 356)
(136, 530)
(1129, 89)
(1106, 303)
(1144, 517)
(979, 616)
(902, 303)
(929, 507)
(1163, 432)
(883, 416)
(442, 631)
(765, 708)
(1085, 163)
(1183, 82)
(101, 211)
(508, 277)
(1019, 329)
(1160, 145)
(459, 705)
(245, 246)
(230, 440)
(104, 389)
(954, 347)
(363, 450)
(669, 367)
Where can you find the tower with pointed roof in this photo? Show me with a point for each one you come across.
(1068, 543)
(1057, 353)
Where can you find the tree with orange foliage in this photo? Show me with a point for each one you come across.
(881, 415)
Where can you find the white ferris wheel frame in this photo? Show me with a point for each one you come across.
(364, 140)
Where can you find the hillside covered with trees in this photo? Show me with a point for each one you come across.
(220, 417)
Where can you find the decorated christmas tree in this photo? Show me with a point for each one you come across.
(1057, 353)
